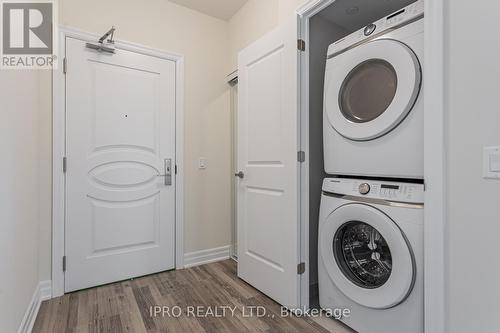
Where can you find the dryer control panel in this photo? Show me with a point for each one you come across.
(371, 31)
(376, 189)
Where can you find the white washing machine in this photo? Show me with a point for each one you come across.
(370, 254)
(373, 99)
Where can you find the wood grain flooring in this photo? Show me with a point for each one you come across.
(126, 306)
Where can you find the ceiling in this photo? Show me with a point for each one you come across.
(355, 14)
(222, 9)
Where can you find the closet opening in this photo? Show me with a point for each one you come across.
(331, 24)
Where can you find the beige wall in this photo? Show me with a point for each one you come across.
(45, 174)
(473, 121)
(19, 184)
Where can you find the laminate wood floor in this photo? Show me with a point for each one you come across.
(126, 306)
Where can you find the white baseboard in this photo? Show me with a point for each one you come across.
(42, 292)
(206, 256)
(45, 290)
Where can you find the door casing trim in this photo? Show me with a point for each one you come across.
(59, 149)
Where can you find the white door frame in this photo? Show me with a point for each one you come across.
(232, 80)
(59, 141)
(434, 165)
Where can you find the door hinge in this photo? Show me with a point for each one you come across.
(301, 156)
(176, 169)
(65, 164)
(301, 45)
(64, 263)
(65, 66)
(301, 268)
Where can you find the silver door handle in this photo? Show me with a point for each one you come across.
(240, 174)
(167, 169)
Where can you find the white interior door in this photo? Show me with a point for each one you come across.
(267, 203)
(120, 136)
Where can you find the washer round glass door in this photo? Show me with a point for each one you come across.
(367, 256)
(371, 88)
(362, 254)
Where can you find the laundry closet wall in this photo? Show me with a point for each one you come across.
(204, 42)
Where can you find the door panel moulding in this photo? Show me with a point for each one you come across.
(59, 148)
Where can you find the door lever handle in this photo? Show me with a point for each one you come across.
(167, 168)
(240, 174)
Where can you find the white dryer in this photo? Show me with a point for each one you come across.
(373, 99)
(370, 254)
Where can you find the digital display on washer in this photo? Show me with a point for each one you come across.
(391, 187)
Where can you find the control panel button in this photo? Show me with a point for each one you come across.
(369, 29)
(364, 188)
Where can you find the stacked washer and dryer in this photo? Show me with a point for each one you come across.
(370, 246)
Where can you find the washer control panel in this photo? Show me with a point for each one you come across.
(392, 21)
(376, 189)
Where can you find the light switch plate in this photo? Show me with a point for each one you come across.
(491, 162)
(202, 163)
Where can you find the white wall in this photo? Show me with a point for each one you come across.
(473, 121)
(19, 184)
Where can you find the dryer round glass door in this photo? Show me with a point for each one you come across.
(371, 88)
(367, 256)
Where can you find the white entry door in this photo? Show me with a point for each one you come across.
(267, 204)
(120, 139)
